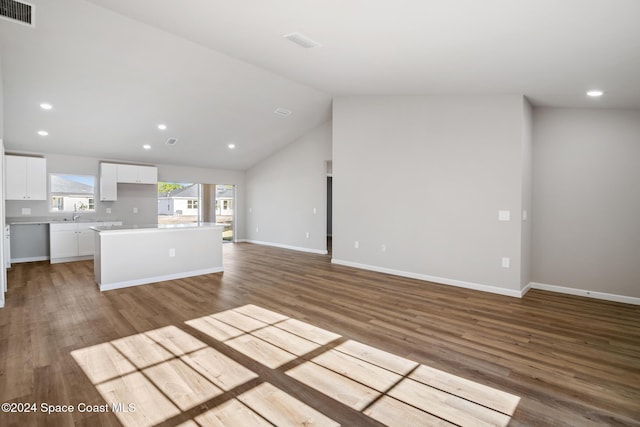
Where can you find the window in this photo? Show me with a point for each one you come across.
(72, 193)
(192, 204)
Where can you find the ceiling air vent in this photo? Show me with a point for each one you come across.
(172, 141)
(17, 11)
(301, 40)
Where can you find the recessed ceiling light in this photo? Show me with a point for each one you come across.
(46, 106)
(162, 126)
(146, 147)
(595, 93)
(43, 133)
(231, 146)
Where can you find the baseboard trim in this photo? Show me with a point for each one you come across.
(156, 279)
(427, 278)
(29, 259)
(294, 248)
(586, 293)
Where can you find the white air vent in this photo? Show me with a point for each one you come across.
(17, 11)
(172, 141)
(282, 112)
(301, 40)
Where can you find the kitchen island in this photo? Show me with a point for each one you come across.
(136, 255)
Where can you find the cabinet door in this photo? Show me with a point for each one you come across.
(63, 244)
(16, 178)
(127, 174)
(108, 182)
(85, 241)
(147, 175)
(36, 178)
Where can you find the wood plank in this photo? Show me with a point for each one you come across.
(261, 314)
(286, 340)
(214, 328)
(393, 413)
(261, 351)
(231, 414)
(239, 321)
(151, 406)
(446, 406)
(175, 340)
(336, 386)
(307, 331)
(102, 362)
(282, 409)
(377, 357)
(358, 370)
(221, 370)
(141, 350)
(183, 385)
(470, 390)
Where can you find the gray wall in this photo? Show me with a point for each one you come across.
(283, 190)
(586, 224)
(425, 176)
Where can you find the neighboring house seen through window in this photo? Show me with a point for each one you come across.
(71, 193)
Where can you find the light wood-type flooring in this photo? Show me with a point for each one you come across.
(286, 338)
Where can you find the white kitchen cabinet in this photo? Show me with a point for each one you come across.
(73, 241)
(26, 178)
(133, 174)
(108, 182)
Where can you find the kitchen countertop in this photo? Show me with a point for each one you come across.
(151, 227)
(53, 220)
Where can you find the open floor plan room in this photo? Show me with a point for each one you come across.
(286, 338)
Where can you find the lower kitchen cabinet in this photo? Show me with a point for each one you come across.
(73, 241)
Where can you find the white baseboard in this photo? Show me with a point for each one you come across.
(147, 280)
(585, 293)
(427, 278)
(295, 248)
(29, 259)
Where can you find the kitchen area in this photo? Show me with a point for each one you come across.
(61, 209)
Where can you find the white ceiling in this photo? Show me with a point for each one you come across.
(214, 71)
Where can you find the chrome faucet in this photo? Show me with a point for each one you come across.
(75, 217)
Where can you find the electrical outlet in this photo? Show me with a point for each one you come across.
(307, 234)
(108, 210)
(26, 211)
(383, 248)
(315, 211)
(257, 229)
(506, 262)
(135, 210)
(172, 252)
(356, 244)
(504, 215)
(524, 215)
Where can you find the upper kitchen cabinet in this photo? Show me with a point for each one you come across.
(26, 178)
(133, 174)
(108, 182)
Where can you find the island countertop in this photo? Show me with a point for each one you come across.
(155, 227)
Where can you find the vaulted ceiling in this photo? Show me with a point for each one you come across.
(214, 71)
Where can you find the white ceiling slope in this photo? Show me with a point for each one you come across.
(215, 70)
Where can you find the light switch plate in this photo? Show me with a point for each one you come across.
(26, 211)
(504, 215)
(108, 210)
(506, 262)
(524, 215)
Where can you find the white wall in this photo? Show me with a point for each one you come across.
(447, 164)
(3, 270)
(283, 190)
(586, 223)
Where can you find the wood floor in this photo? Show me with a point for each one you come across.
(572, 361)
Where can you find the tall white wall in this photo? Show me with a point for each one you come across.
(586, 222)
(526, 231)
(425, 176)
(284, 190)
(3, 270)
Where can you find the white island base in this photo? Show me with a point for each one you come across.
(126, 256)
